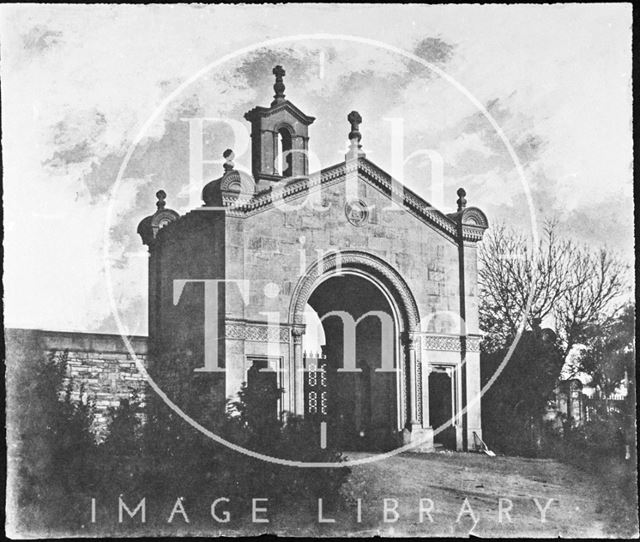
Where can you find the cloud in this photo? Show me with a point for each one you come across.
(80, 81)
(40, 38)
(434, 50)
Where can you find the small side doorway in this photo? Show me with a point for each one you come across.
(441, 407)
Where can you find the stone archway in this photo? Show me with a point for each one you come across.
(371, 265)
(384, 279)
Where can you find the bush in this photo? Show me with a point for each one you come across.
(56, 448)
(291, 438)
(150, 451)
(514, 406)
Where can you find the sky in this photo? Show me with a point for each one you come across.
(79, 83)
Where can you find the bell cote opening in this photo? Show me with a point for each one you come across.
(279, 137)
(284, 156)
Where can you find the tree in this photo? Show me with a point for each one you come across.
(514, 407)
(575, 289)
(591, 304)
(573, 286)
(608, 352)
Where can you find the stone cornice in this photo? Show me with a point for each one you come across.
(374, 176)
(260, 111)
(470, 225)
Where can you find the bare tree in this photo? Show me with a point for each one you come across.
(520, 284)
(598, 280)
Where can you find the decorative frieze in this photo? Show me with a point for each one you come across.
(450, 343)
(251, 331)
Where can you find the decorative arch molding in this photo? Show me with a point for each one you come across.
(284, 126)
(474, 217)
(361, 261)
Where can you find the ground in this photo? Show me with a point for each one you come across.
(583, 506)
(465, 489)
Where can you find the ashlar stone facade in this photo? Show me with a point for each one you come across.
(232, 282)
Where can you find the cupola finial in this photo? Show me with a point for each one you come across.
(162, 196)
(228, 155)
(150, 226)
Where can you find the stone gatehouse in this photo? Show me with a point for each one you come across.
(384, 282)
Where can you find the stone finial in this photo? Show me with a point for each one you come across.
(462, 202)
(278, 87)
(228, 155)
(355, 120)
(162, 196)
(355, 149)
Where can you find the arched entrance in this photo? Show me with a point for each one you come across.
(366, 311)
(362, 404)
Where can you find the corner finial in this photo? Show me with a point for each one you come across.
(355, 136)
(278, 87)
(355, 120)
(462, 202)
(228, 155)
(161, 195)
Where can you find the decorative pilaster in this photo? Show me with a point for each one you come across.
(426, 373)
(414, 432)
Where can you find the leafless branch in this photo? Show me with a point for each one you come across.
(575, 285)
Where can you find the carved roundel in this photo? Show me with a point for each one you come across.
(357, 212)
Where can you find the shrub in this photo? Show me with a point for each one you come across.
(285, 437)
(159, 456)
(56, 447)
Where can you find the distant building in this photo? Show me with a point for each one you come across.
(574, 404)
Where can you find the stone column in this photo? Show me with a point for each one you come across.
(297, 372)
(299, 157)
(412, 396)
(413, 432)
(274, 155)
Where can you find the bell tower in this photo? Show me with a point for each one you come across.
(279, 137)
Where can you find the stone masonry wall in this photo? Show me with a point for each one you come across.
(99, 363)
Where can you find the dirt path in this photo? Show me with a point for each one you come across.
(448, 479)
